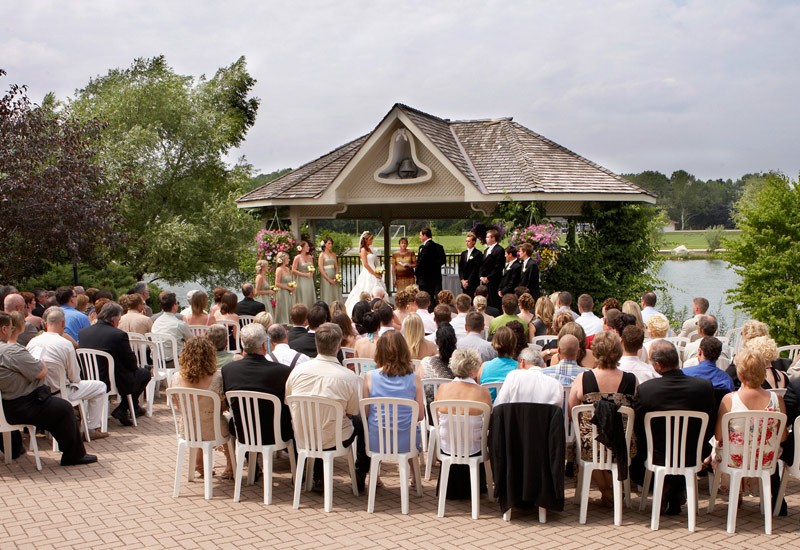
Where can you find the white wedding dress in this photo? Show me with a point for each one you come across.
(366, 282)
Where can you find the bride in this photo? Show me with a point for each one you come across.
(367, 279)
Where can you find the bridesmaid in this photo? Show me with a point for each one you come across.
(329, 288)
(284, 300)
(302, 269)
(263, 292)
(404, 261)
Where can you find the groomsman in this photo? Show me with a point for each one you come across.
(430, 260)
(512, 273)
(469, 265)
(530, 271)
(491, 270)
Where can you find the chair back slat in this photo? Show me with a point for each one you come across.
(761, 433)
(603, 457)
(359, 365)
(250, 404)
(348, 353)
(89, 361)
(459, 428)
(542, 341)
(792, 352)
(186, 412)
(387, 414)
(308, 415)
(676, 438)
(198, 330)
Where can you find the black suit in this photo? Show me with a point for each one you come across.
(530, 278)
(305, 343)
(430, 259)
(130, 379)
(248, 306)
(510, 278)
(257, 373)
(468, 270)
(296, 332)
(492, 269)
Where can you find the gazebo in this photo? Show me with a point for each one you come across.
(416, 165)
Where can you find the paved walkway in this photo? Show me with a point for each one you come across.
(126, 501)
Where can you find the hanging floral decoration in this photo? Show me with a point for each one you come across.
(545, 241)
(269, 243)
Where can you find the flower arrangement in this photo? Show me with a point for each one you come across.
(292, 285)
(479, 230)
(311, 269)
(338, 277)
(269, 243)
(544, 239)
(379, 271)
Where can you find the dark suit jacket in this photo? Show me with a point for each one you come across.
(673, 391)
(257, 373)
(305, 343)
(430, 259)
(492, 268)
(248, 306)
(510, 278)
(296, 332)
(792, 402)
(530, 279)
(104, 337)
(468, 270)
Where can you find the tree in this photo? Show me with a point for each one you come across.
(766, 255)
(173, 132)
(616, 256)
(55, 204)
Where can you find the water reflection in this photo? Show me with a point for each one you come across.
(710, 279)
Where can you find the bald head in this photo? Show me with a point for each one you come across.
(14, 302)
(568, 347)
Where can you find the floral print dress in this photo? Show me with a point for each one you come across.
(736, 432)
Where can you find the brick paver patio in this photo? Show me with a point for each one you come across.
(126, 501)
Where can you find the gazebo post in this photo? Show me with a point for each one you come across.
(294, 219)
(386, 219)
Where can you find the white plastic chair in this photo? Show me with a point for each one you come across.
(249, 405)
(359, 365)
(135, 336)
(90, 370)
(459, 439)
(160, 370)
(792, 352)
(227, 323)
(535, 347)
(792, 469)
(780, 392)
(307, 420)
(430, 430)
(759, 460)
(62, 384)
(680, 343)
(734, 337)
(198, 330)
(348, 353)
(602, 459)
(569, 428)
(185, 405)
(144, 349)
(6, 429)
(542, 341)
(245, 320)
(676, 463)
(388, 429)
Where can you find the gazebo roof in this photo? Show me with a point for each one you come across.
(491, 159)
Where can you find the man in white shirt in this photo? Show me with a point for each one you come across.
(474, 339)
(324, 376)
(169, 324)
(591, 323)
(528, 384)
(423, 301)
(649, 307)
(58, 355)
(280, 352)
(632, 340)
(564, 303)
(441, 314)
(707, 326)
(689, 328)
(463, 303)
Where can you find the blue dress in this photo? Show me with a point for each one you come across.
(392, 386)
(496, 370)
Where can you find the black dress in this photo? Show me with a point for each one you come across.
(591, 393)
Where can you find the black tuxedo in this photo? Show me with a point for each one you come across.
(492, 268)
(468, 270)
(430, 259)
(130, 379)
(305, 343)
(530, 278)
(248, 306)
(510, 278)
(257, 373)
(296, 332)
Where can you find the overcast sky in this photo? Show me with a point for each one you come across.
(707, 86)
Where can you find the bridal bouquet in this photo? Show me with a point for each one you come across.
(379, 271)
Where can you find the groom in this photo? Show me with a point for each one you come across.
(430, 260)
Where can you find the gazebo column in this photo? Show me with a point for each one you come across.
(386, 219)
(294, 219)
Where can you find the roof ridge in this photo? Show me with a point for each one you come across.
(520, 154)
(423, 113)
(478, 180)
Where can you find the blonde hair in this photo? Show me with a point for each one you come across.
(753, 329)
(607, 349)
(632, 308)
(480, 303)
(414, 332)
(544, 310)
(763, 346)
(281, 258)
(751, 368)
(260, 265)
(263, 318)
(658, 326)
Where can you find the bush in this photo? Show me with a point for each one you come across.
(713, 236)
(341, 241)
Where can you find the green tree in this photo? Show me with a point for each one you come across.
(766, 256)
(172, 132)
(615, 255)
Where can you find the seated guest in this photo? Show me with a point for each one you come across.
(134, 319)
(298, 317)
(324, 376)
(567, 368)
(168, 324)
(304, 343)
(768, 349)
(528, 384)
(474, 338)
(543, 318)
(386, 316)
(441, 314)
(423, 301)
(264, 319)
(438, 366)
(610, 303)
(465, 364)
(509, 305)
(75, 320)
(658, 328)
(632, 339)
(483, 292)
(349, 334)
(585, 357)
(27, 400)
(526, 306)
(227, 312)
(365, 345)
(15, 303)
(414, 333)
(445, 297)
(708, 354)
(564, 303)
(106, 336)
(197, 314)
(219, 338)
(479, 304)
(30, 304)
(604, 382)
(401, 301)
(649, 309)
(689, 327)
(504, 343)
(219, 292)
(248, 305)
(280, 350)
(394, 377)
(550, 349)
(198, 370)
(359, 310)
(255, 372)
(521, 339)
(463, 303)
(632, 308)
(590, 322)
(707, 326)
(673, 391)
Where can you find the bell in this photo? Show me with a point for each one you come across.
(407, 169)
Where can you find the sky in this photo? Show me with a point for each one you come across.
(708, 86)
